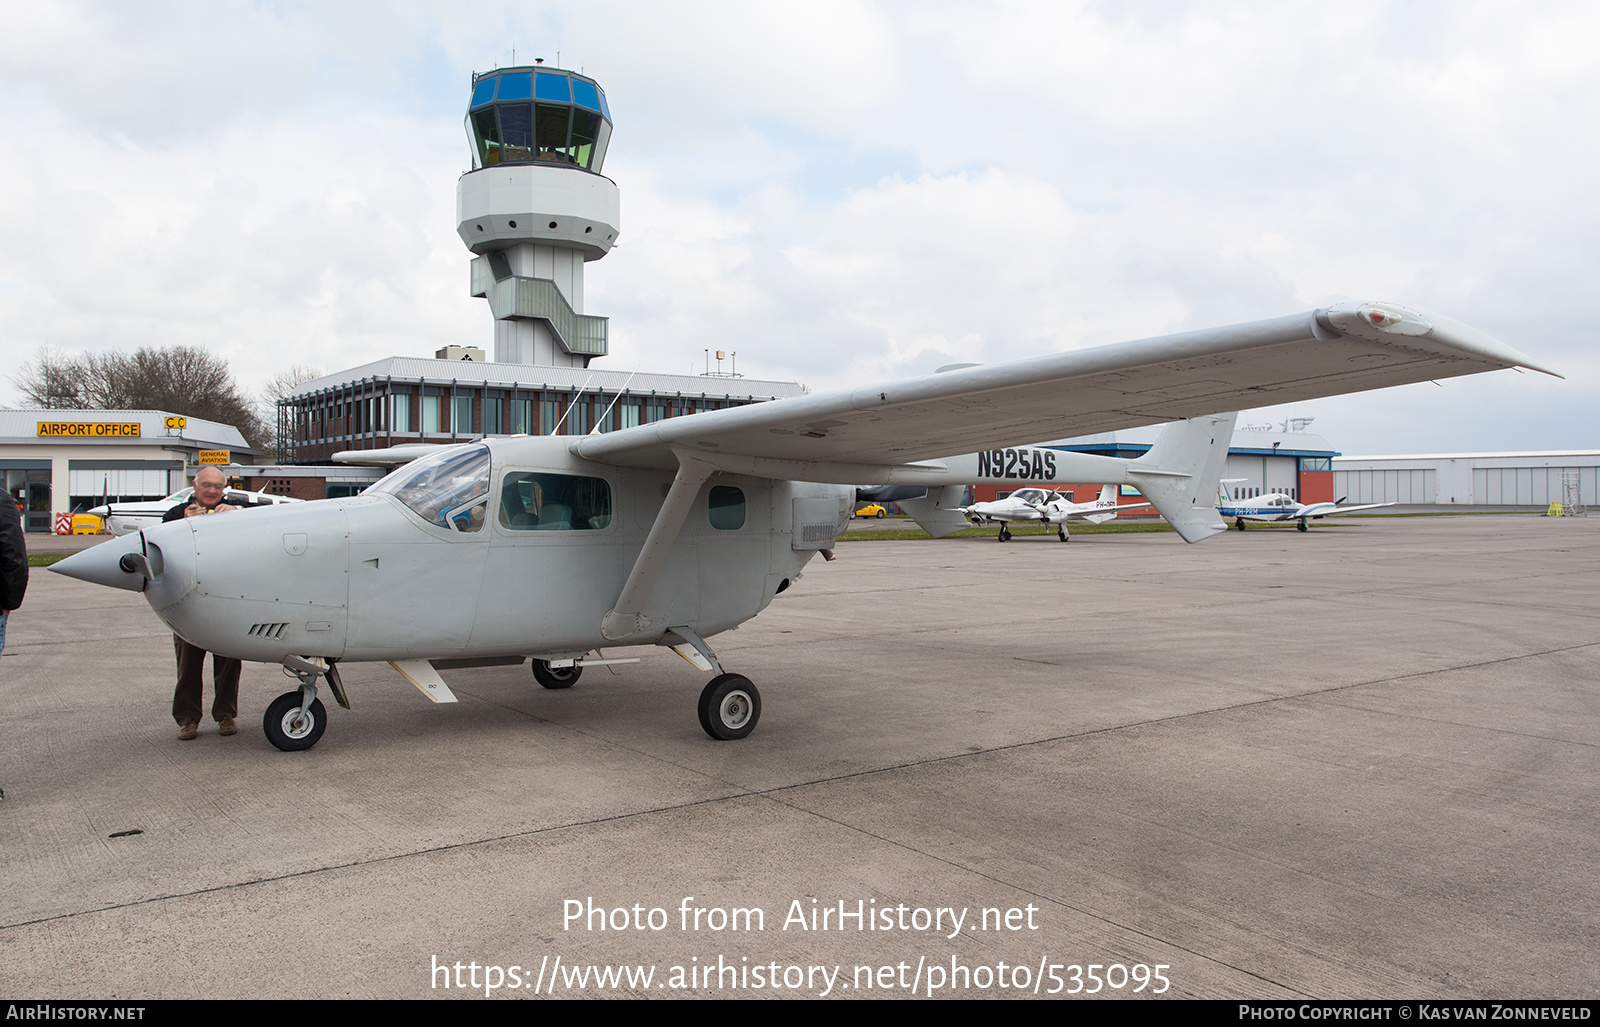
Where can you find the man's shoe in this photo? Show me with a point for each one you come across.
(187, 732)
(226, 726)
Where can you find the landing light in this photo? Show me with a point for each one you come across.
(1394, 319)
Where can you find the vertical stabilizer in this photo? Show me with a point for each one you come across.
(1182, 472)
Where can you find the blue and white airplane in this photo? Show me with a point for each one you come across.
(1275, 506)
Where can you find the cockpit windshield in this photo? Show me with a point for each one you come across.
(1033, 497)
(449, 488)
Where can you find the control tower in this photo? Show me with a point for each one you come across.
(535, 208)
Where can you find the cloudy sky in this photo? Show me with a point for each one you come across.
(838, 191)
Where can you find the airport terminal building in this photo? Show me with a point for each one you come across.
(405, 400)
(58, 461)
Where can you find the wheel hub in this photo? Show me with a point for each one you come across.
(735, 709)
(297, 724)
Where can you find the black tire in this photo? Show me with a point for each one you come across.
(1302, 525)
(555, 677)
(287, 730)
(730, 707)
(1063, 536)
(1239, 524)
(1005, 535)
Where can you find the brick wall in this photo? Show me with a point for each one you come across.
(296, 487)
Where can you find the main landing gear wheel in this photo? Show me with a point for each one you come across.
(1239, 524)
(289, 729)
(730, 706)
(555, 677)
(1005, 533)
(1063, 536)
(1302, 525)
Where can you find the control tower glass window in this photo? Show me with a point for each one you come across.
(522, 116)
(554, 124)
(555, 87)
(516, 127)
(516, 87)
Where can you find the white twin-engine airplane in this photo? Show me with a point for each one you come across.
(1045, 507)
(1275, 506)
(671, 532)
(127, 518)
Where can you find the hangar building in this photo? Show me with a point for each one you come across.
(1531, 480)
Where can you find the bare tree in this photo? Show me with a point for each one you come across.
(277, 387)
(283, 383)
(52, 381)
(181, 379)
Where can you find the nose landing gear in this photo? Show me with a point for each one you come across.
(295, 720)
(292, 725)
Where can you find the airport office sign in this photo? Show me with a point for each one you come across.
(88, 429)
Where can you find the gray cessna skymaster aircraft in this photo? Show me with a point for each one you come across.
(552, 547)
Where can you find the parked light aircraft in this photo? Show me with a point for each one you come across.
(1275, 506)
(127, 518)
(1046, 507)
(671, 532)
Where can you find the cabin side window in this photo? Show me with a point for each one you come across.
(726, 507)
(537, 501)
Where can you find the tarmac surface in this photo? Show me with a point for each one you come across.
(1356, 762)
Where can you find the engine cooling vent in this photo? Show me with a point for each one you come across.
(268, 630)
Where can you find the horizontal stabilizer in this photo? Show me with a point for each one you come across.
(393, 456)
(890, 493)
(939, 512)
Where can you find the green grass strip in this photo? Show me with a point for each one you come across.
(45, 559)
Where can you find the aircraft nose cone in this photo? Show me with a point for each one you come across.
(103, 564)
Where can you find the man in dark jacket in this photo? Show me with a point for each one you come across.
(210, 489)
(13, 562)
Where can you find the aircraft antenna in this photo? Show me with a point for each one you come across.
(601, 419)
(557, 429)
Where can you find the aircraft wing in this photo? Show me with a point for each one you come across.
(831, 436)
(1324, 509)
(1014, 517)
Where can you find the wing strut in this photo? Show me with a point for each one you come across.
(627, 617)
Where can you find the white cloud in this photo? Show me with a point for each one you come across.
(837, 191)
